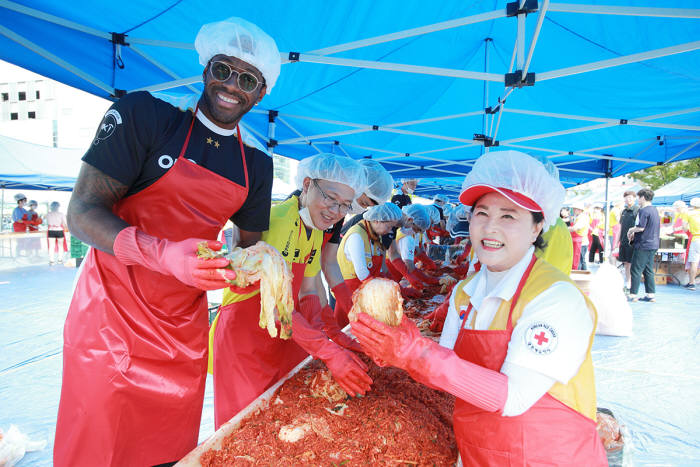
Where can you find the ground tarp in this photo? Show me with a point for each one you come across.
(423, 87)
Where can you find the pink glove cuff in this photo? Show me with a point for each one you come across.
(128, 244)
(343, 296)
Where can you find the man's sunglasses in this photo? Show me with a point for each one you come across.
(222, 71)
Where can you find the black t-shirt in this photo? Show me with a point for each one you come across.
(333, 231)
(385, 239)
(628, 216)
(401, 200)
(140, 138)
(648, 239)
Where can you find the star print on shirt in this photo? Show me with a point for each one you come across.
(216, 144)
(209, 140)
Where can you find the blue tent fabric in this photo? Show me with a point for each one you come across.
(682, 188)
(419, 124)
(28, 166)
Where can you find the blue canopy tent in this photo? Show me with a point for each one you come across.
(600, 88)
(682, 188)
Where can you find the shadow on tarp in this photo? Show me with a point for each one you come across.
(650, 380)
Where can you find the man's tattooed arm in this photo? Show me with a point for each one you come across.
(90, 217)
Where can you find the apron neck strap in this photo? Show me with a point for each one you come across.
(516, 295)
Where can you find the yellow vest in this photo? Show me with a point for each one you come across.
(372, 248)
(693, 219)
(579, 392)
(559, 249)
(584, 224)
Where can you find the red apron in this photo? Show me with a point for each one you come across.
(576, 241)
(247, 360)
(548, 433)
(375, 266)
(135, 341)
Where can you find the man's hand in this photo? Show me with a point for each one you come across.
(178, 259)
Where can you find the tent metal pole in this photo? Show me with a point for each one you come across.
(625, 10)
(460, 174)
(159, 43)
(53, 58)
(489, 15)
(285, 123)
(53, 19)
(484, 116)
(520, 40)
(426, 70)
(161, 67)
(443, 163)
(536, 34)
(2, 210)
(664, 125)
(451, 148)
(607, 250)
(559, 133)
(589, 172)
(500, 113)
(625, 59)
(686, 149)
(651, 145)
(170, 84)
(385, 151)
(426, 135)
(271, 132)
(324, 135)
(435, 119)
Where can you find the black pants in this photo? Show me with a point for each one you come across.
(642, 263)
(595, 247)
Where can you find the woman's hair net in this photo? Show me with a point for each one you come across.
(679, 204)
(434, 214)
(419, 214)
(379, 181)
(20, 196)
(386, 212)
(695, 202)
(334, 168)
(242, 39)
(55, 205)
(458, 222)
(441, 198)
(33, 203)
(521, 173)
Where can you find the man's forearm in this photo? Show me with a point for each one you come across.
(90, 217)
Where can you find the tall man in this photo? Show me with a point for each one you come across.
(628, 217)
(155, 183)
(644, 237)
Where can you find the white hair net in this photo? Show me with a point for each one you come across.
(55, 205)
(458, 222)
(33, 203)
(679, 204)
(521, 173)
(434, 213)
(20, 196)
(695, 202)
(242, 39)
(549, 166)
(379, 181)
(419, 214)
(387, 212)
(333, 168)
(441, 198)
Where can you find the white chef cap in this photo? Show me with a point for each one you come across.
(334, 168)
(419, 214)
(379, 181)
(520, 178)
(242, 39)
(387, 212)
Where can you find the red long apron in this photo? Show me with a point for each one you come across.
(375, 268)
(247, 360)
(548, 433)
(135, 341)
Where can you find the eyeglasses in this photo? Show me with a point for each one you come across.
(222, 71)
(331, 202)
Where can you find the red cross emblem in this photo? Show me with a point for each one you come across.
(541, 338)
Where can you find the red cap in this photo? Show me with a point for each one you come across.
(472, 194)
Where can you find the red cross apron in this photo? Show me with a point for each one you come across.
(247, 360)
(135, 341)
(548, 433)
(375, 266)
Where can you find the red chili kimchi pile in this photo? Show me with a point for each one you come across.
(399, 422)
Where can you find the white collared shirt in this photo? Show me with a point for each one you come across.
(560, 310)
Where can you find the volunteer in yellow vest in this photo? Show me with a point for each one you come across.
(516, 345)
(579, 236)
(246, 360)
(558, 247)
(361, 253)
(400, 256)
(692, 219)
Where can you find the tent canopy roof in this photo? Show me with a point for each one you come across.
(410, 84)
(680, 189)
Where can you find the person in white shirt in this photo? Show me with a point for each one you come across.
(56, 221)
(516, 344)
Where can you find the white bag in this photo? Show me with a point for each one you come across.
(614, 313)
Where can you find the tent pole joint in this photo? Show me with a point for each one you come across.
(487, 141)
(293, 56)
(514, 9)
(623, 121)
(271, 143)
(516, 80)
(119, 39)
(119, 93)
(272, 115)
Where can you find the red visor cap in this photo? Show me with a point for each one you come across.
(472, 194)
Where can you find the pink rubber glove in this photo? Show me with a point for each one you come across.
(413, 280)
(343, 303)
(438, 315)
(428, 279)
(428, 263)
(332, 330)
(178, 259)
(430, 363)
(347, 369)
(392, 272)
